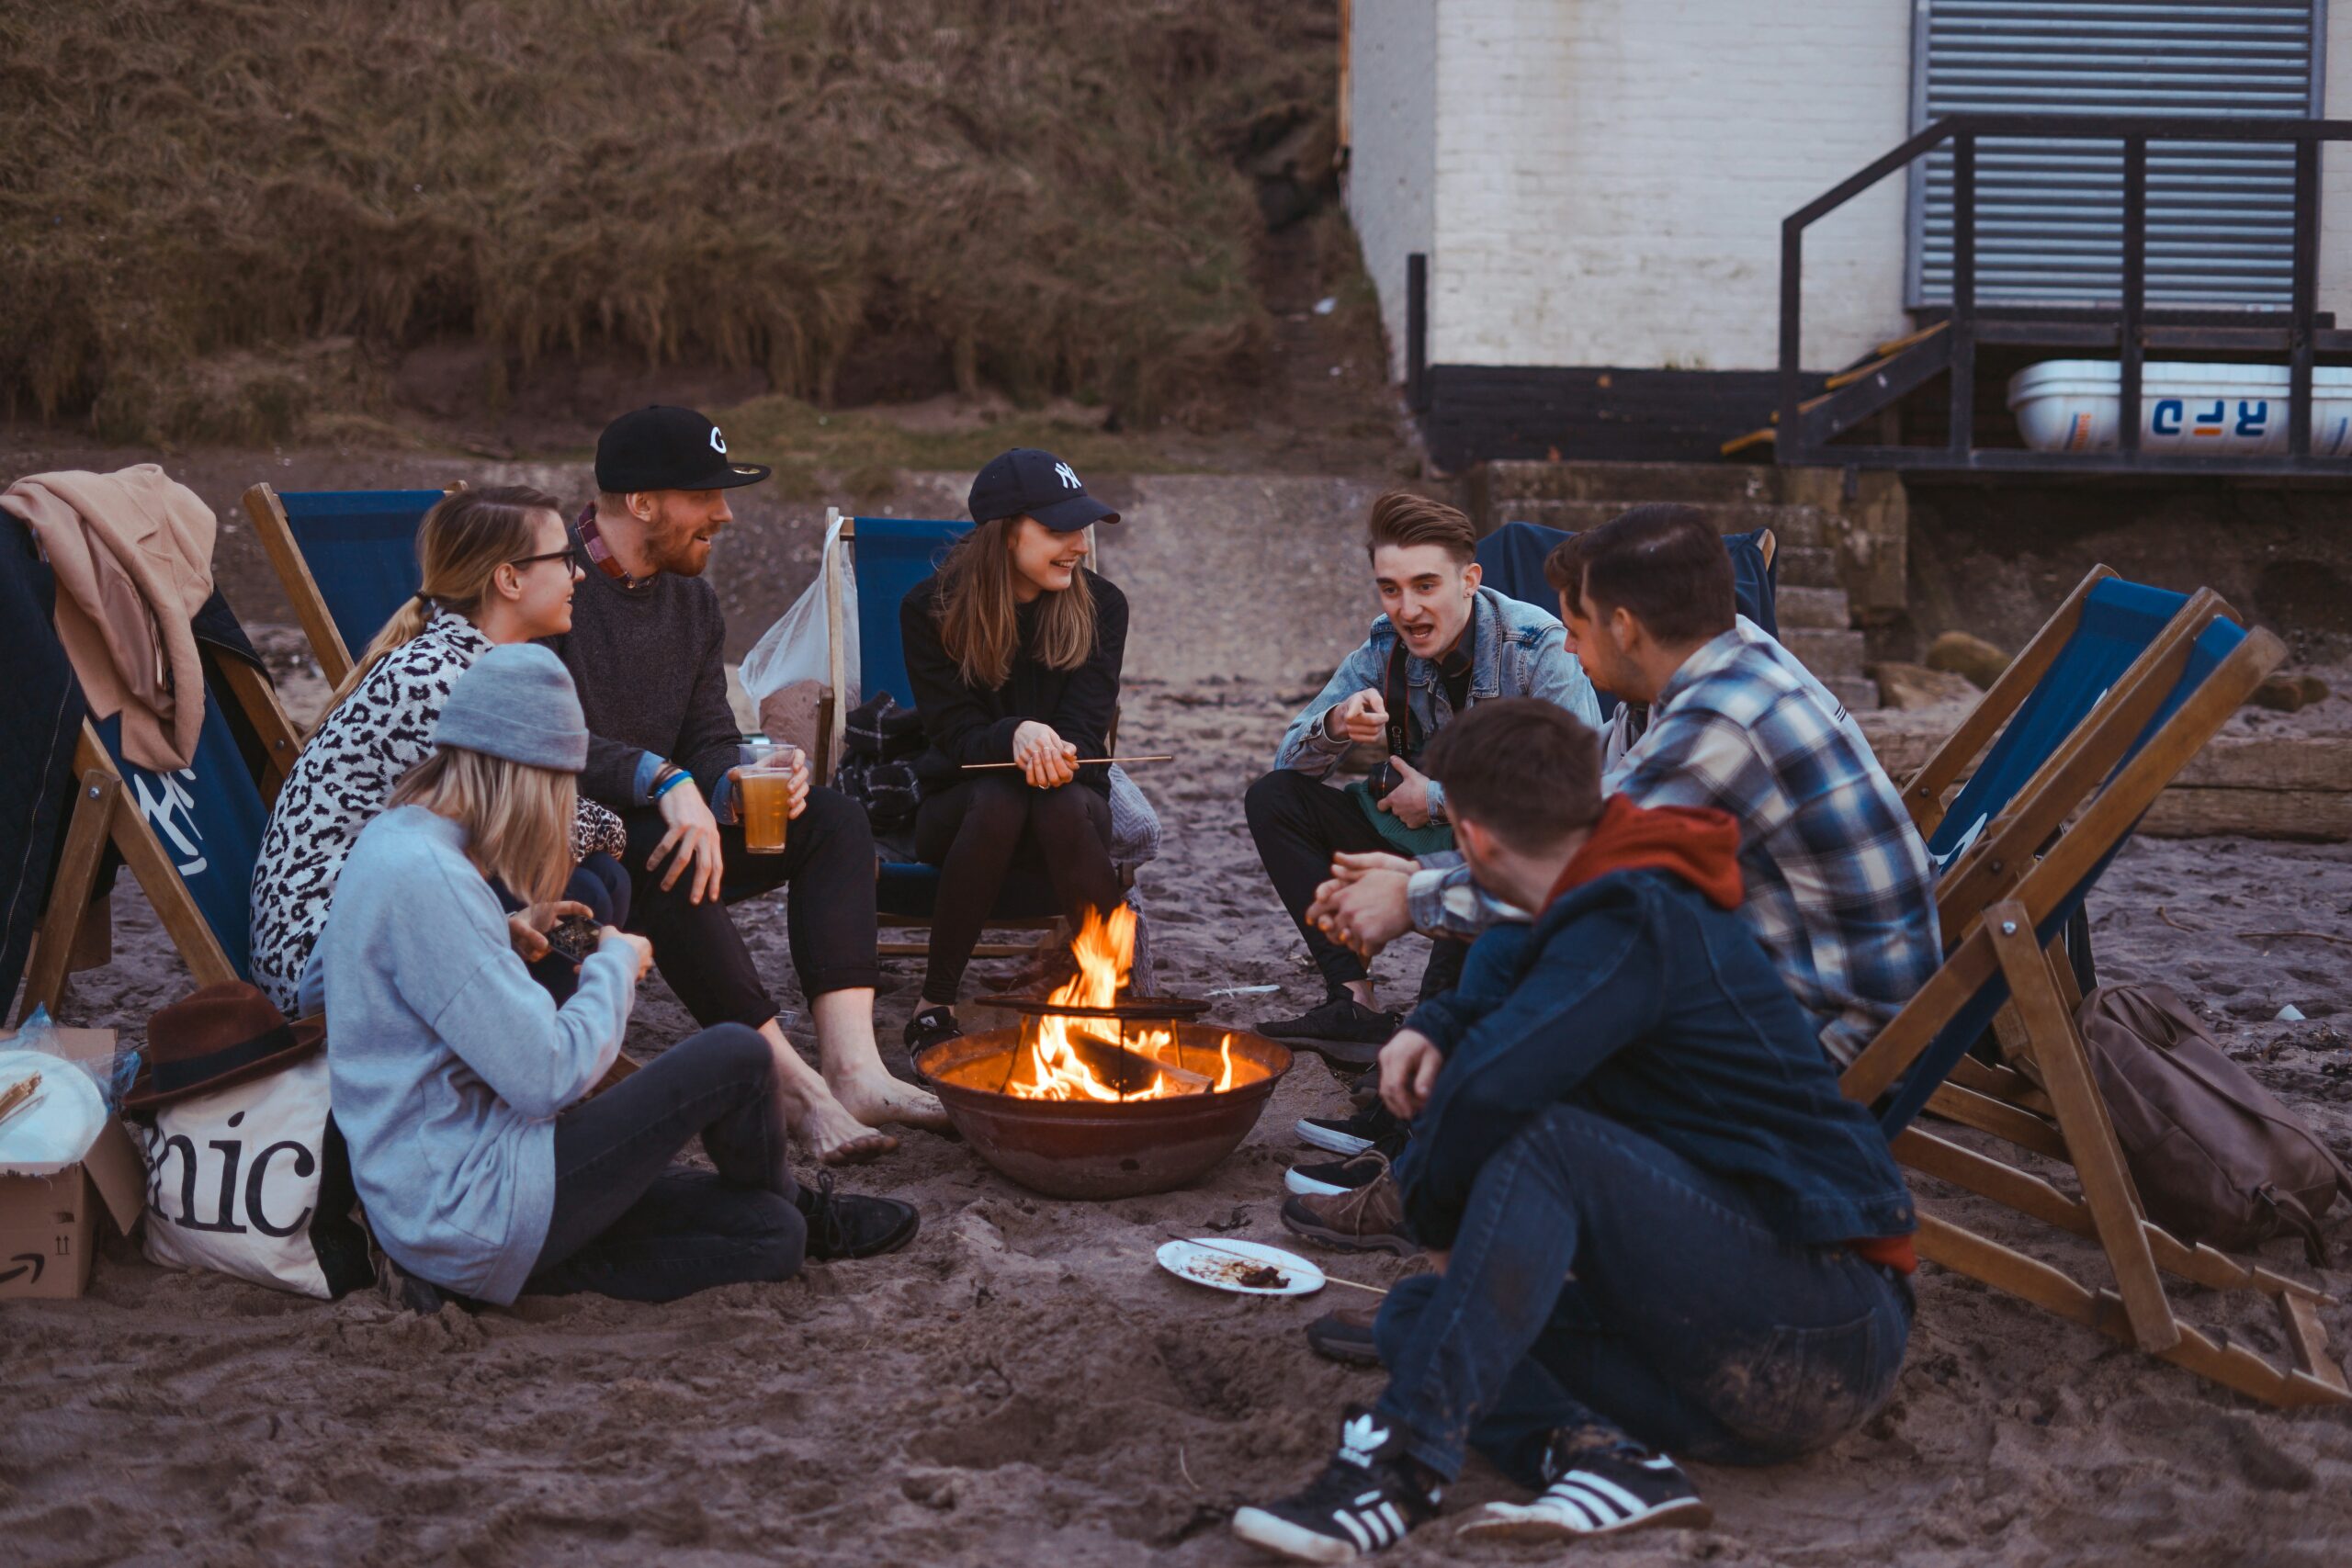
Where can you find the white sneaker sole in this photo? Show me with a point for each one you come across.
(1271, 1532)
(1346, 1145)
(1306, 1186)
(1545, 1522)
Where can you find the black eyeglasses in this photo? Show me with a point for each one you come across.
(569, 555)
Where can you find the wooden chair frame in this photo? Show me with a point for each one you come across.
(2000, 894)
(277, 531)
(832, 733)
(72, 933)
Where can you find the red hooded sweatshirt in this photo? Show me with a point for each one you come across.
(1700, 845)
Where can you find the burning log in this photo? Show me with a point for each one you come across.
(1132, 1072)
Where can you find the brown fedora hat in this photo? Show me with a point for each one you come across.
(223, 1034)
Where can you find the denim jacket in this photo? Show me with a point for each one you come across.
(1517, 651)
(1634, 996)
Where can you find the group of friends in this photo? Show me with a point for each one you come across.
(1612, 1116)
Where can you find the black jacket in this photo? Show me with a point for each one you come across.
(970, 723)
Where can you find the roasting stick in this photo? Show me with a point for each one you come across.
(1252, 1258)
(1075, 763)
(19, 1096)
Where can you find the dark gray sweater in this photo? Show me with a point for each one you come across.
(649, 664)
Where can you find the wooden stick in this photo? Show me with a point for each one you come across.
(1079, 763)
(1253, 1257)
(18, 1096)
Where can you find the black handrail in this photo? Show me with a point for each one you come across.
(2135, 131)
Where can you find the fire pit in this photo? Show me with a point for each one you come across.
(1096, 1095)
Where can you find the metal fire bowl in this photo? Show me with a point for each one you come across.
(1092, 1149)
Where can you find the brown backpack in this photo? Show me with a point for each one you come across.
(2217, 1158)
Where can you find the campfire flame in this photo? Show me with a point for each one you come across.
(1066, 1058)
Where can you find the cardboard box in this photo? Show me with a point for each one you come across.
(48, 1224)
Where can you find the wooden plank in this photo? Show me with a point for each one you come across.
(2307, 1337)
(94, 797)
(2001, 1083)
(258, 698)
(2178, 813)
(1989, 1116)
(269, 519)
(2108, 1190)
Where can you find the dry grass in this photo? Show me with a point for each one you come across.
(1047, 189)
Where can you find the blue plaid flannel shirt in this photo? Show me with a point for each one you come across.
(1839, 887)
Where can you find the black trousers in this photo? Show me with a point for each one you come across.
(978, 833)
(828, 869)
(601, 883)
(1298, 824)
(627, 1223)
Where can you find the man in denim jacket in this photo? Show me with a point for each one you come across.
(1443, 645)
(1662, 1225)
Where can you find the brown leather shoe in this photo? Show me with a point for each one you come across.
(1344, 1335)
(1370, 1219)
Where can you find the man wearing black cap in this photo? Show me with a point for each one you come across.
(646, 650)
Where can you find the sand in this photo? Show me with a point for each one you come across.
(1021, 1385)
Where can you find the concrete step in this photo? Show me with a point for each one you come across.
(1824, 652)
(1820, 609)
(1649, 482)
(1805, 567)
(1858, 692)
(1806, 526)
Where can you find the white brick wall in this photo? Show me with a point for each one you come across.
(1612, 175)
(1392, 112)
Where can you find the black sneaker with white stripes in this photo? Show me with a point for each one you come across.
(1354, 1133)
(1368, 1497)
(1325, 1178)
(1597, 1492)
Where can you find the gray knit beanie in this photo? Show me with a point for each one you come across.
(518, 701)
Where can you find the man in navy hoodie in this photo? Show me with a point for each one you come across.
(1662, 1228)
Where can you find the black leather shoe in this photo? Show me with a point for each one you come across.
(1342, 1030)
(847, 1224)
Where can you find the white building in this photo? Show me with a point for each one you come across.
(1597, 186)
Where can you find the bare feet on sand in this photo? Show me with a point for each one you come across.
(876, 1097)
(833, 1135)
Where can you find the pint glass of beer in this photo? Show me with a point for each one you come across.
(763, 788)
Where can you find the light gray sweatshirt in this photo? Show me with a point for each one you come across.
(447, 1061)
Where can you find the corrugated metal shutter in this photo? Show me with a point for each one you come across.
(2049, 214)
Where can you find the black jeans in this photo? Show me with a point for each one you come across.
(628, 1224)
(977, 832)
(601, 883)
(827, 862)
(1299, 823)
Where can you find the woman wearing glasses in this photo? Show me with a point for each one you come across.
(498, 568)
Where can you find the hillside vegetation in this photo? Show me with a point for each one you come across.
(205, 201)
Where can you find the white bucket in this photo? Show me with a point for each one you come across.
(2069, 405)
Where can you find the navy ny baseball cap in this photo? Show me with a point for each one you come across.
(1025, 480)
(660, 447)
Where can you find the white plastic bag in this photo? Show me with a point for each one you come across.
(794, 649)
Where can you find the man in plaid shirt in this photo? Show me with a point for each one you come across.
(1840, 891)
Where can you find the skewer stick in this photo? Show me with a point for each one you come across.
(1253, 1257)
(1075, 763)
(19, 1096)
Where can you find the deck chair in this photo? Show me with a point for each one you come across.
(1512, 559)
(2025, 875)
(347, 558)
(887, 557)
(190, 837)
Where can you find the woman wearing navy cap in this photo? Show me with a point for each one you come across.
(1013, 650)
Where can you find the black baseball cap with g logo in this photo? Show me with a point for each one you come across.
(660, 447)
(1025, 480)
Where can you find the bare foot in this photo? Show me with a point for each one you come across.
(835, 1137)
(876, 1096)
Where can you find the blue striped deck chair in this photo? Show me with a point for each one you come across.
(190, 837)
(887, 555)
(347, 558)
(1512, 562)
(2037, 867)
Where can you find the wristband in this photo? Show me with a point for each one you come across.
(662, 787)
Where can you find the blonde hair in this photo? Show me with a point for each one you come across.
(467, 536)
(517, 818)
(977, 610)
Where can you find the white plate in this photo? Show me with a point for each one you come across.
(63, 1123)
(1220, 1265)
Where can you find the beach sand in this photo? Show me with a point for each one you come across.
(1022, 1385)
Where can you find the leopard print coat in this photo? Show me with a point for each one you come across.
(341, 781)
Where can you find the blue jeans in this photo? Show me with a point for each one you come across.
(1604, 1284)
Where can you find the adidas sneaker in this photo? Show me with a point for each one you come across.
(1595, 1493)
(1328, 1178)
(1369, 1497)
